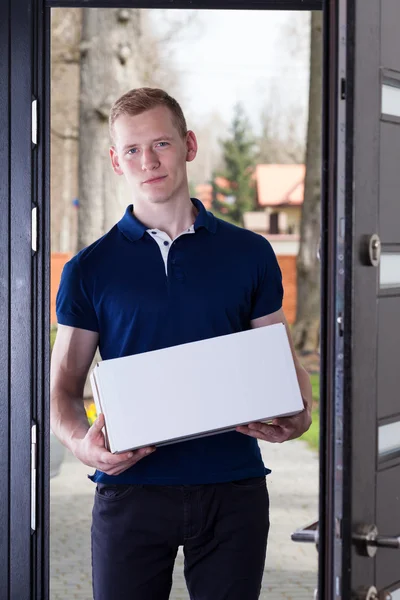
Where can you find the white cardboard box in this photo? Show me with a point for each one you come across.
(196, 389)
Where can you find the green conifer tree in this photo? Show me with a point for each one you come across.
(239, 157)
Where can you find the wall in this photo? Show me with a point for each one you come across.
(284, 245)
(293, 216)
(289, 277)
(58, 260)
(286, 248)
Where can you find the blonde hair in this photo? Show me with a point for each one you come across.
(138, 100)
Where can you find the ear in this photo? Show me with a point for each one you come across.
(191, 146)
(115, 161)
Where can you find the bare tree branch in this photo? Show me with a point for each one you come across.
(65, 136)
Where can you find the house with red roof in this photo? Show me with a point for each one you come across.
(280, 191)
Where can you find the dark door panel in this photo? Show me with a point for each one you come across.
(390, 41)
(388, 356)
(374, 335)
(389, 213)
(388, 523)
(363, 304)
(21, 292)
(4, 296)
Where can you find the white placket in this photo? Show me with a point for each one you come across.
(164, 242)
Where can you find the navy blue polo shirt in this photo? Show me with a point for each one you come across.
(207, 283)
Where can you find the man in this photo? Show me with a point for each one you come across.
(168, 273)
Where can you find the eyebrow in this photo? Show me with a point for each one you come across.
(161, 138)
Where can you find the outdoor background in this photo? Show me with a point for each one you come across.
(249, 83)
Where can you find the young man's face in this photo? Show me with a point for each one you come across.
(149, 150)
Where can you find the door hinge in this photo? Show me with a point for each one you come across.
(34, 229)
(340, 325)
(343, 89)
(33, 475)
(34, 122)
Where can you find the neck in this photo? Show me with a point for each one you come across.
(172, 217)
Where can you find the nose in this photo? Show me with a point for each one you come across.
(149, 160)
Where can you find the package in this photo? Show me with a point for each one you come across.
(196, 389)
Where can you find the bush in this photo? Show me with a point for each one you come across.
(53, 333)
(312, 435)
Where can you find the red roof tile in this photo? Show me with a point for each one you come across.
(280, 184)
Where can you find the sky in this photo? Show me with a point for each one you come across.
(253, 57)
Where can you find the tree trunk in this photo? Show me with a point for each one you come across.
(306, 328)
(108, 70)
(118, 52)
(65, 38)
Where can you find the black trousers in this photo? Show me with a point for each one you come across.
(137, 529)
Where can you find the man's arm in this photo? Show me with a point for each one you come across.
(72, 356)
(284, 428)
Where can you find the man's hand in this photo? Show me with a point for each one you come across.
(281, 429)
(91, 450)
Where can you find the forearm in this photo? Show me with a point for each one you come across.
(68, 419)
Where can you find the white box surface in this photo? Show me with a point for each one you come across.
(196, 389)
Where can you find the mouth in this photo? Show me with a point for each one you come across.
(154, 180)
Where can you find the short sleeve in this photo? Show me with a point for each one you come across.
(74, 306)
(268, 294)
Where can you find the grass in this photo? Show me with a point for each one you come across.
(312, 435)
(53, 333)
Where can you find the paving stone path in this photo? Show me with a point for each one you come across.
(291, 568)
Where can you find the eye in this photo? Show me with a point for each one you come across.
(163, 144)
(132, 151)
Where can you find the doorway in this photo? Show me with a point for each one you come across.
(221, 86)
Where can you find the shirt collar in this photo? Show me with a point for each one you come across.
(130, 226)
(204, 218)
(134, 230)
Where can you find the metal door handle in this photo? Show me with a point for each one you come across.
(383, 541)
(307, 534)
(367, 540)
(371, 593)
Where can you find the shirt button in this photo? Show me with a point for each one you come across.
(154, 232)
(166, 243)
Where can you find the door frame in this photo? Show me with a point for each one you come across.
(25, 283)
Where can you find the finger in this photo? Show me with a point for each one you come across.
(277, 421)
(289, 421)
(253, 430)
(261, 427)
(97, 425)
(116, 470)
(109, 459)
(273, 434)
(132, 456)
(123, 466)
